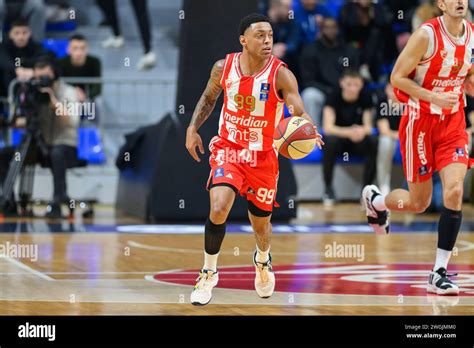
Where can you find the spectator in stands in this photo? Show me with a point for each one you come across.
(59, 121)
(286, 35)
(368, 26)
(309, 15)
(389, 112)
(18, 54)
(347, 125)
(78, 63)
(321, 65)
(140, 7)
(34, 11)
(424, 12)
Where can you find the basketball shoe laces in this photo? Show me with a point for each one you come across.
(201, 280)
(445, 274)
(263, 271)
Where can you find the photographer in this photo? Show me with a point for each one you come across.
(58, 121)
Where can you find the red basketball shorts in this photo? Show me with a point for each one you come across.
(430, 142)
(252, 174)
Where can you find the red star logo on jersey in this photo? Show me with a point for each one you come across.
(228, 83)
(456, 66)
(444, 54)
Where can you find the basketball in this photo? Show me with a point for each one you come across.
(294, 137)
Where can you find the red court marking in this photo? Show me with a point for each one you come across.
(373, 279)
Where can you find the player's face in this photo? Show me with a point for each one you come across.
(454, 8)
(258, 39)
(78, 50)
(329, 29)
(351, 86)
(20, 36)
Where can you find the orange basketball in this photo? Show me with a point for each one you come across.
(294, 137)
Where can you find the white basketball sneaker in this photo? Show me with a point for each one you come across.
(113, 42)
(147, 61)
(264, 277)
(439, 283)
(202, 292)
(378, 220)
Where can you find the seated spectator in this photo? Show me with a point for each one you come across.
(78, 63)
(322, 64)
(309, 15)
(56, 143)
(347, 125)
(32, 10)
(368, 27)
(388, 121)
(286, 35)
(424, 12)
(18, 54)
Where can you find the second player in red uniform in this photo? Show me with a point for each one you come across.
(430, 77)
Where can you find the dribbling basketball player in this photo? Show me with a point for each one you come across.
(430, 77)
(243, 159)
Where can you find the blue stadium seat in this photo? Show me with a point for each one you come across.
(61, 26)
(57, 46)
(89, 147)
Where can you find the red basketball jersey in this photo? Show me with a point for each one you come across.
(444, 69)
(252, 107)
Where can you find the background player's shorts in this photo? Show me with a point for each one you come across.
(252, 174)
(430, 142)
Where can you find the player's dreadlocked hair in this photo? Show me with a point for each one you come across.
(247, 21)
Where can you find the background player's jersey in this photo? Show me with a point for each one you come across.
(444, 68)
(252, 107)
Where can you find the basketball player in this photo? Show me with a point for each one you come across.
(243, 160)
(430, 77)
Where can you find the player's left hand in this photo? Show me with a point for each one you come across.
(319, 138)
(469, 85)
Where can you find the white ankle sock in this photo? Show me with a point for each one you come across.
(210, 262)
(379, 203)
(262, 256)
(442, 259)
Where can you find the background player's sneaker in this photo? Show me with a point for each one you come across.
(378, 220)
(202, 292)
(439, 283)
(114, 42)
(329, 198)
(264, 277)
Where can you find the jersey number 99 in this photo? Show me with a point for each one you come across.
(246, 103)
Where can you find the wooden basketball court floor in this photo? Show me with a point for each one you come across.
(327, 262)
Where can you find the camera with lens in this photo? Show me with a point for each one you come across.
(29, 92)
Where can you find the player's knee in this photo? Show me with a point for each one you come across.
(452, 194)
(219, 212)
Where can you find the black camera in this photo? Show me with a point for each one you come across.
(29, 92)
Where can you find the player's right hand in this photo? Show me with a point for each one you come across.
(193, 140)
(445, 100)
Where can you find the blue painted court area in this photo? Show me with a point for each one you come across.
(420, 227)
(41, 226)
